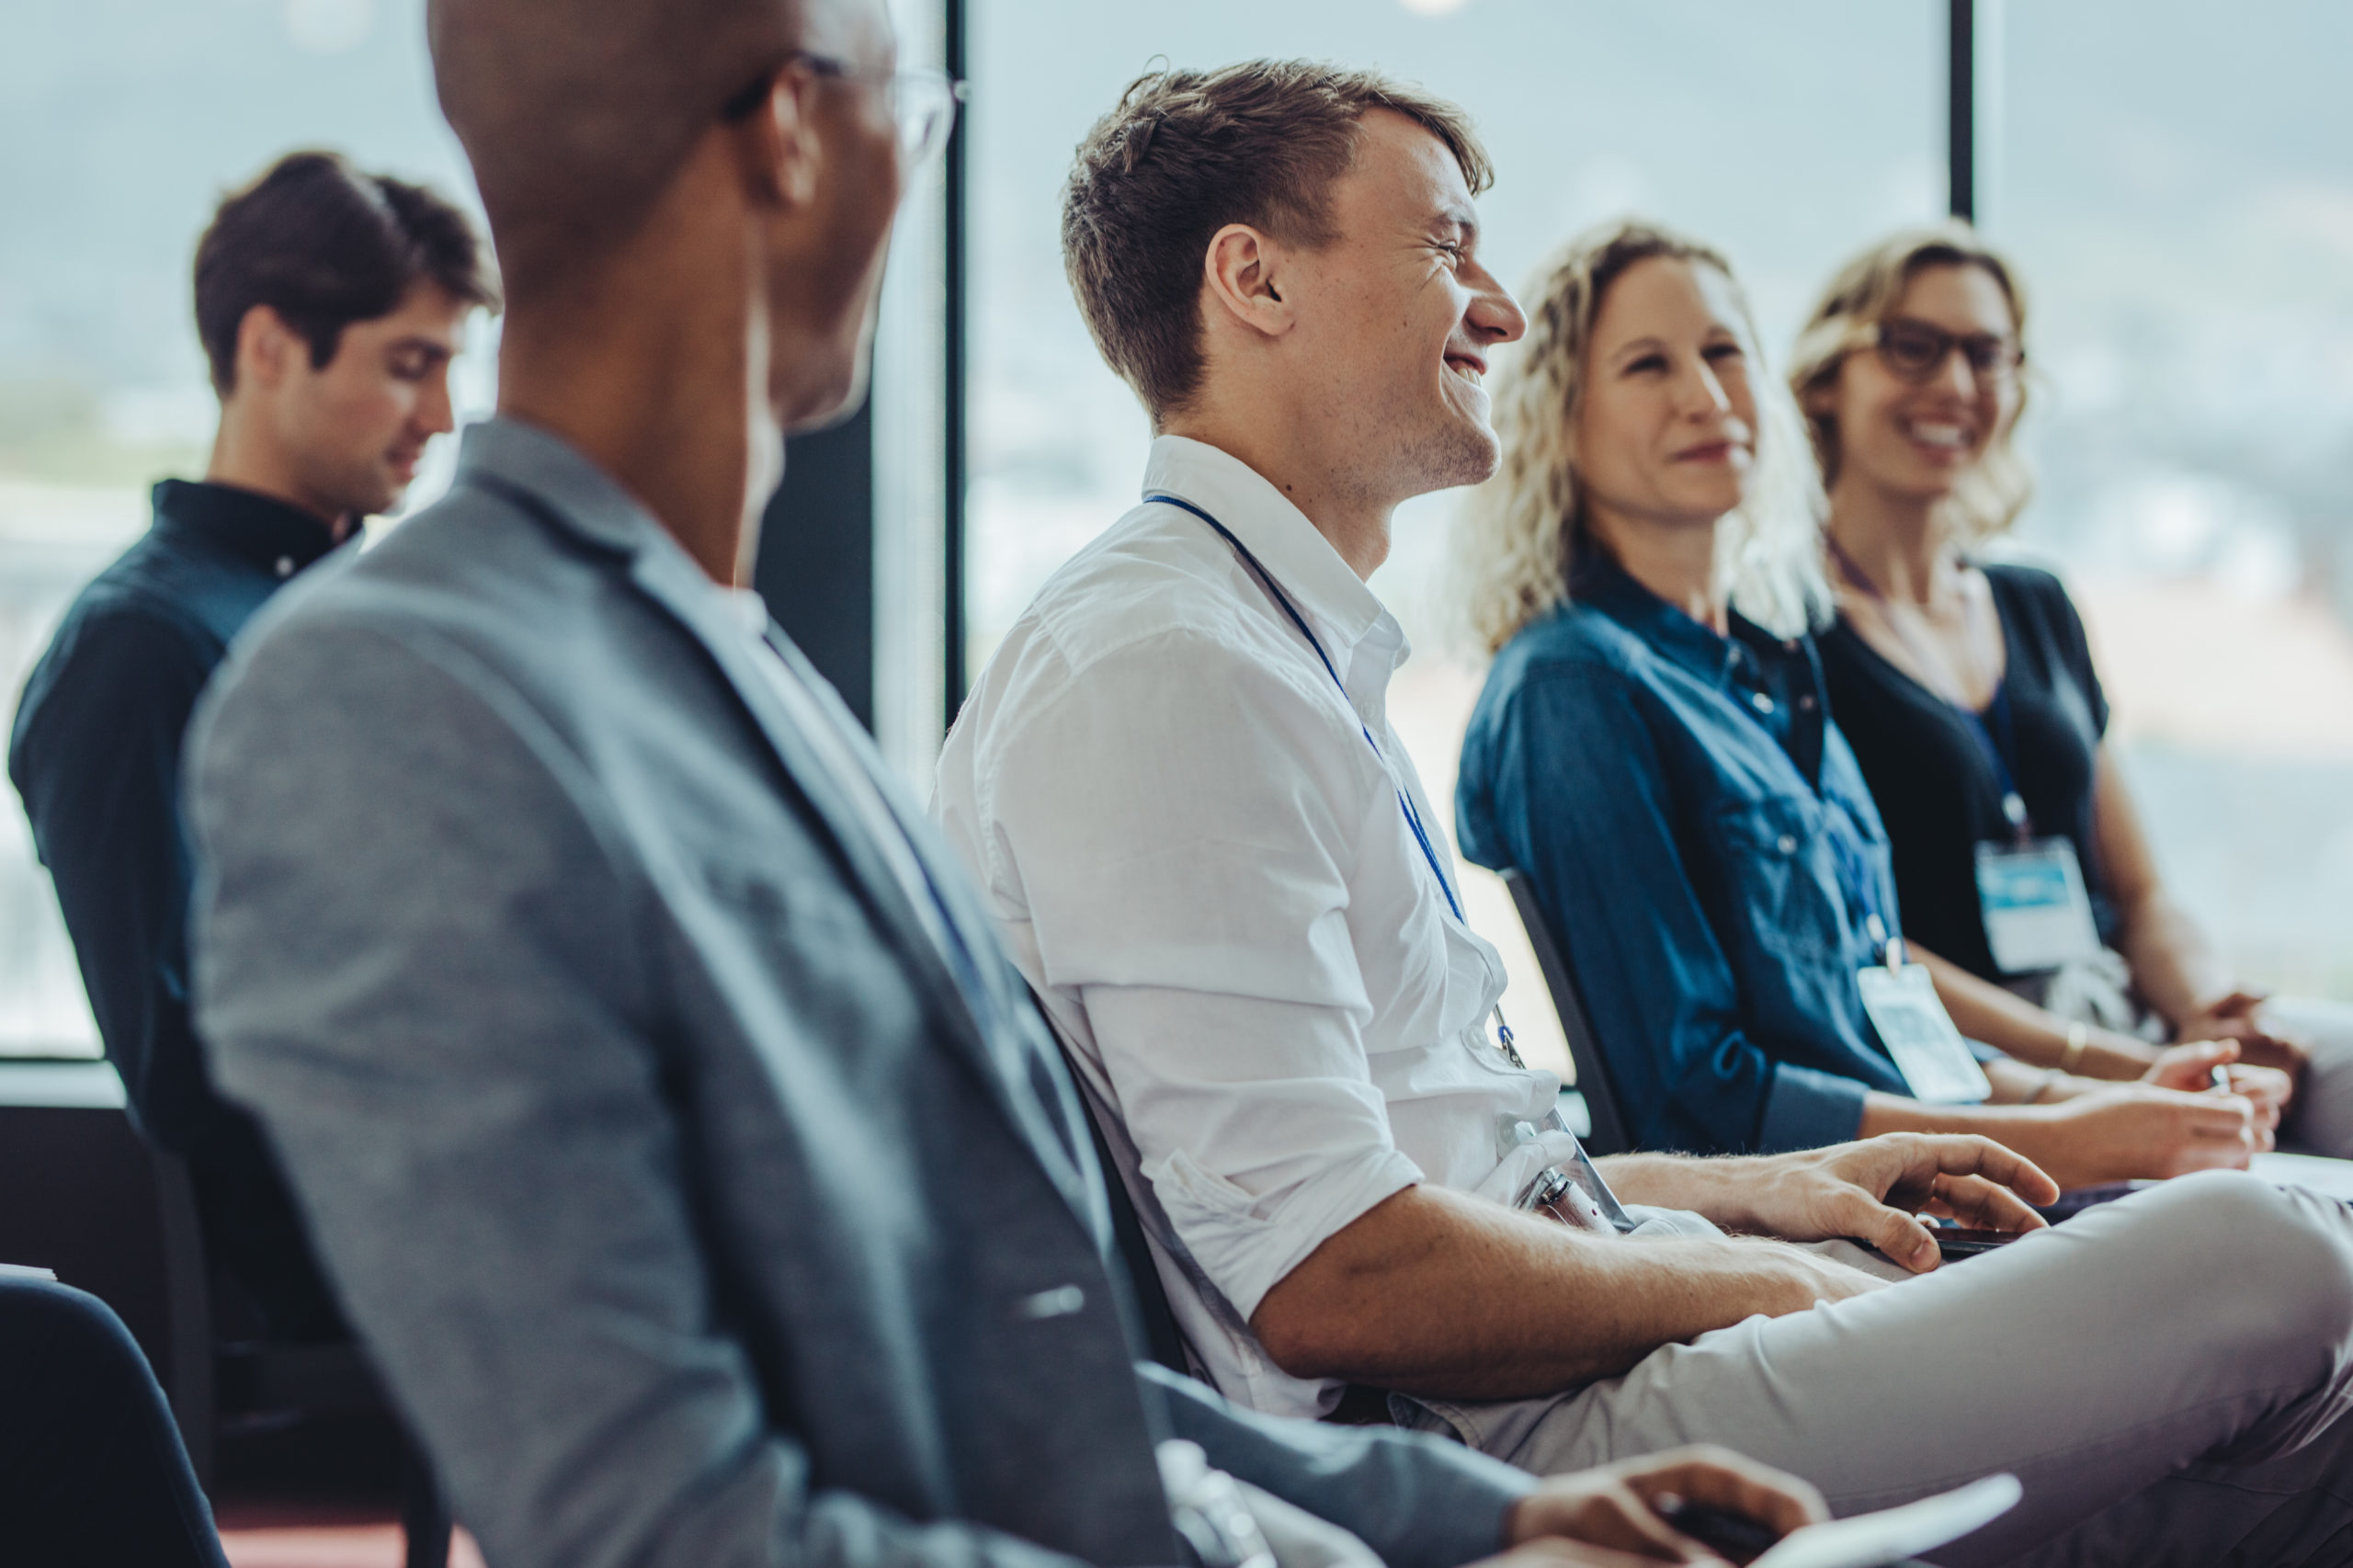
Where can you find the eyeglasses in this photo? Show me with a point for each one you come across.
(921, 101)
(1915, 350)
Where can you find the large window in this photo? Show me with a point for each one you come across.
(121, 122)
(2177, 181)
(1788, 135)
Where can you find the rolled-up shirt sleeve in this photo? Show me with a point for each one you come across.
(1182, 851)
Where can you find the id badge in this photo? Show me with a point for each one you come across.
(2038, 914)
(1912, 1024)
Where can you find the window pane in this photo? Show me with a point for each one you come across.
(121, 122)
(2177, 184)
(1787, 134)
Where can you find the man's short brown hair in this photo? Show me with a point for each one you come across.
(325, 244)
(1185, 154)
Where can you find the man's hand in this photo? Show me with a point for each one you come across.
(1615, 1508)
(1871, 1191)
(2191, 1068)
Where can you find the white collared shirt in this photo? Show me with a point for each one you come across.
(1202, 865)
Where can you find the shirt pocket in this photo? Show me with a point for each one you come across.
(1780, 882)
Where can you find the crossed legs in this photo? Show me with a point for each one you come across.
(2171, 1376)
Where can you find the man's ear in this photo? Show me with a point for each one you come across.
(780, 141)
(265, 347)
(1242, 271)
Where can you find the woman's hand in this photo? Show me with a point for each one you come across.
(2129, 1131)
(2237, 1015)
(1615, 1508)
(2191, 1068)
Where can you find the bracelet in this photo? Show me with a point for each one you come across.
(2079, 1034)
(2043, 1086)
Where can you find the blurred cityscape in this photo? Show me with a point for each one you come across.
(2175, 179)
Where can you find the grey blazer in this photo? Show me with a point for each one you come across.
(694, 1212)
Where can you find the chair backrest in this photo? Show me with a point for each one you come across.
(1608, 1135)
(1162, 1336)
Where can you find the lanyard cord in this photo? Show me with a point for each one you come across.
(1998, 749)
(1405, 801)
(1274, 591)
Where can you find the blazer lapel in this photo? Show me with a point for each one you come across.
(673, 581)
(543, 475)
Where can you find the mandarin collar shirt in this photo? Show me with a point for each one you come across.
(94, 752)
(1201, 863)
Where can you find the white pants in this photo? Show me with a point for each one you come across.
(2171, 1376)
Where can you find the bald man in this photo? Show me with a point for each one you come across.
(691, 1158)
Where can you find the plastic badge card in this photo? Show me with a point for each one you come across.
(1912, 1024)
(1870, 1540)
(2037, 913)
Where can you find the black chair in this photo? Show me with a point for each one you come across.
(247, 1377)
(1162, 1336)
(1608, 1135)
(89, 1199)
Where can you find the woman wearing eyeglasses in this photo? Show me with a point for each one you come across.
(1967, 693)
(1652, 750)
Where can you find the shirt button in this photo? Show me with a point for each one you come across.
(1062, 1301)
(1805, 701)
(1785, 844)
(1762, 703)
(285, 567)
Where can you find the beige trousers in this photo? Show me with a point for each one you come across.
(2171, 1376)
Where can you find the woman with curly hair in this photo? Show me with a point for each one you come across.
(1654, 751)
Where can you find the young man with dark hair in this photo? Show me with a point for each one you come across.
(1215, 864)
(330, 303)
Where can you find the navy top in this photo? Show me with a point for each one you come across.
(1704, 846)
(96, 753)
(1939, 791)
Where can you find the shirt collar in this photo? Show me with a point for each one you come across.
(1321, 582)
(1601, 582)
(276, 536)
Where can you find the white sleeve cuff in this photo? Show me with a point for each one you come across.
(1247, 1245)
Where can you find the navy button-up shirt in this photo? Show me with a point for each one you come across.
(96, 753)
(1709, 855)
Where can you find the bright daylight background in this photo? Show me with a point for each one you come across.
(2177, 179)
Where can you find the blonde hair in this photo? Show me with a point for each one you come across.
(1863, 294)
(1520, 531)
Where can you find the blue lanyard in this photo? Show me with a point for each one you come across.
(1274, 590)
(1999, 748)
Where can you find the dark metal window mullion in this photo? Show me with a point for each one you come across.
(1961, 108)
(954, 363)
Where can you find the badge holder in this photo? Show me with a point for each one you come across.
(1928, 1050)
(1571, 1192)
(2037, 911)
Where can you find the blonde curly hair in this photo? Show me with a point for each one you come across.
(1521, 530)
(1862, 294)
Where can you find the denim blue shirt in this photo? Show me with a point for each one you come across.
(1704, 844)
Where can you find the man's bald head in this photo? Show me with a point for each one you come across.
(576, 113)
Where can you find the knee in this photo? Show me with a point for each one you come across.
(2266, 1267)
